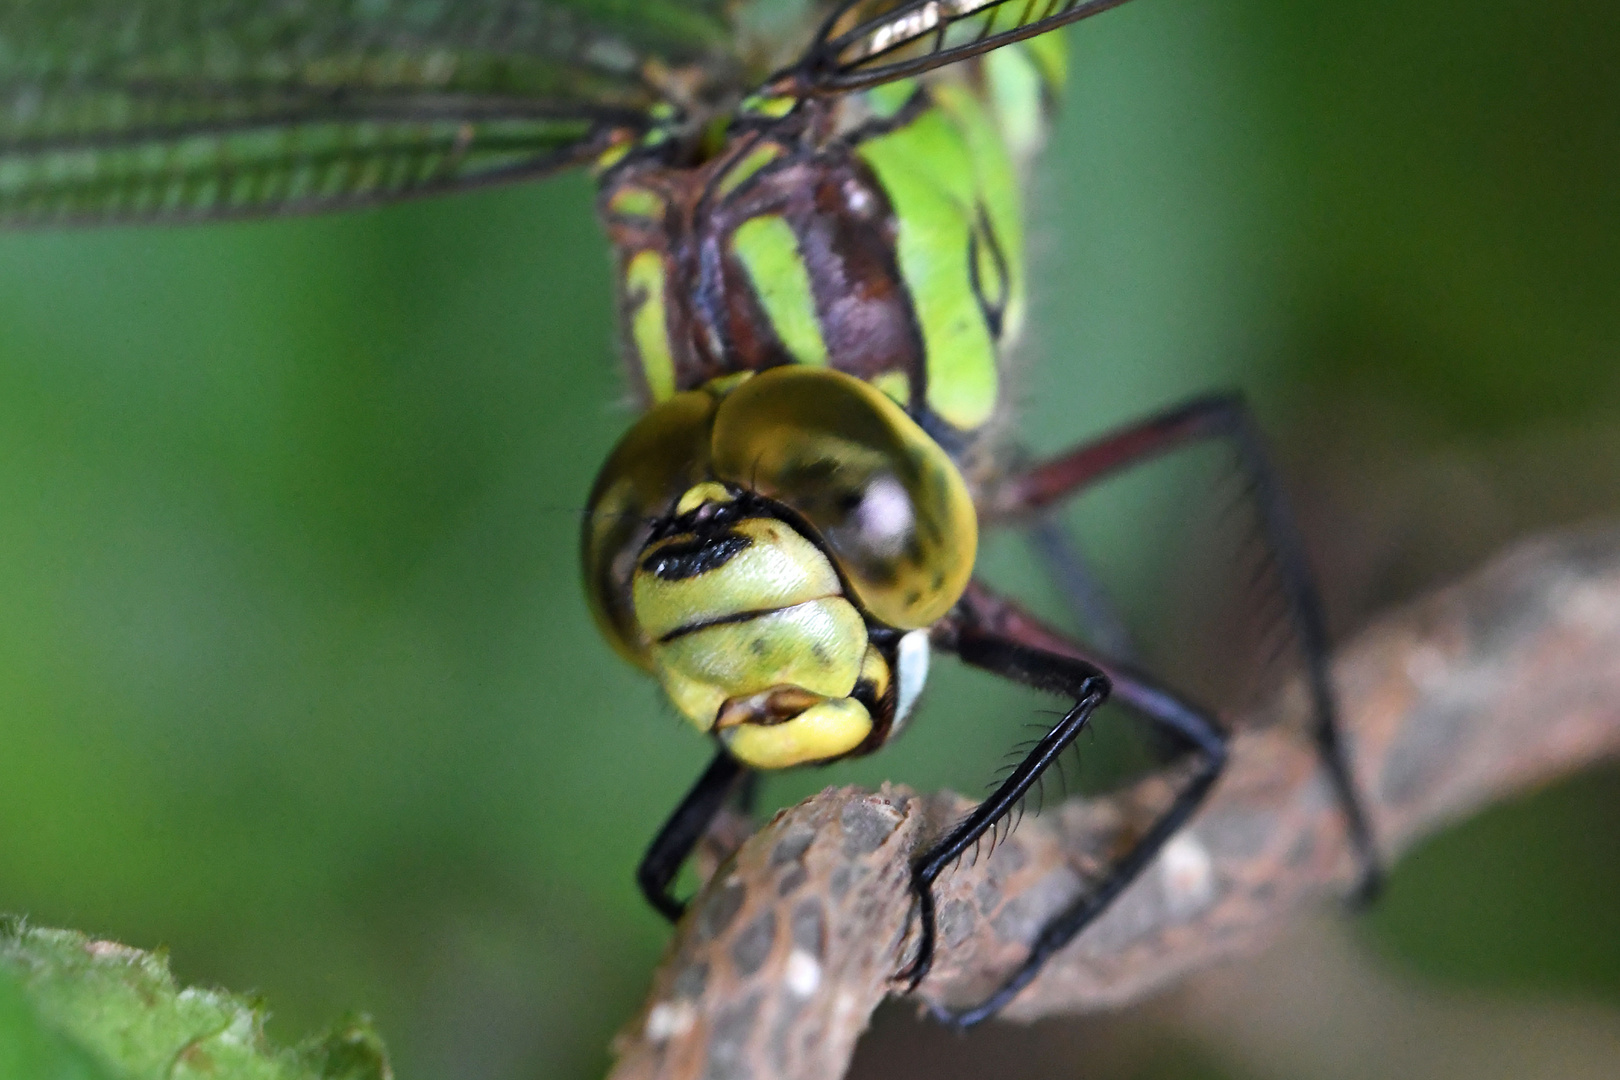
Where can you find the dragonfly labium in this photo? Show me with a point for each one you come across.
(814, 211)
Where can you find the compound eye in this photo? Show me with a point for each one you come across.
(663, 454)
(887, 501)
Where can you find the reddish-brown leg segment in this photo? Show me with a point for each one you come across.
(1026, 494)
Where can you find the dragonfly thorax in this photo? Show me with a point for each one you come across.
(773, 252)
(877, 234)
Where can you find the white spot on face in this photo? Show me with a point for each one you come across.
(884, 516)
(667, 1019)
(803, 973)
(911, 675)
(1188, 874)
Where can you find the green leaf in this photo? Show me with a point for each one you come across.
(31, 1051)
(76, 1008)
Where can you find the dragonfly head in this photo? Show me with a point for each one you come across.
(756, 545)
(750, 631)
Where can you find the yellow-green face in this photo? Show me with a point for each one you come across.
(752, 636)
(786, 517)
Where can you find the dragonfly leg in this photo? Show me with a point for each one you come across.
(745, 796)
(1065, 675)
(1102, 626)
(686, 827)
(1082, 590)
(996, 630)
(1227, 418)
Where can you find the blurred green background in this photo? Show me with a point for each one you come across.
(295, 676)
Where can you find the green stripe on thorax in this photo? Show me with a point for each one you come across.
(649, 322)
(769, 250)
(952, 176)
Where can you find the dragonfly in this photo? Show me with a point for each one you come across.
(814, 209)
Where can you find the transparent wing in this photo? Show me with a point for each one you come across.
(866, 42)
(173, 109)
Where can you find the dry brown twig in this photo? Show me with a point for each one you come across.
(1483, 689)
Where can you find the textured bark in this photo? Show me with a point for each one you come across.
(1507, 680)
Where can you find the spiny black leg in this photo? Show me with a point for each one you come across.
(1225, 417)
(1231, 415)
(1044, 671)
(684, 829)
(1099, 620)
(1186, 723)
(1102, 628)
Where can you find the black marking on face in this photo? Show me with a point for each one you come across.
(683, 559)
(723, 620)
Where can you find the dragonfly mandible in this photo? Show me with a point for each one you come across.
(814, 209)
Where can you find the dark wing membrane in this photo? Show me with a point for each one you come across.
(867, 42)
(173, 109)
